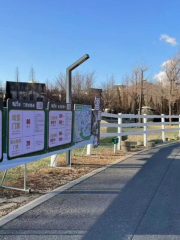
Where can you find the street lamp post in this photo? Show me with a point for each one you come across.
(69, 92)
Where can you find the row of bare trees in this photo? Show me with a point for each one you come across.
(138, 89)
(83, 90)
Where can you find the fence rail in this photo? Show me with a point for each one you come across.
(120, 115)
(120, 125)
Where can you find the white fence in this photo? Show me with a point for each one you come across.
(145, 125)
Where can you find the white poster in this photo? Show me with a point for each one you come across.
(39, 122)
(28, 143)
(60, 127)
(97, 104)
(15, 123)
(28, 122)
(38, 142)
(53, 137)
(26, 131)
(15, 147)
(53, 120)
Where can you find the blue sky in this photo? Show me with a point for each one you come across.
(52, 34)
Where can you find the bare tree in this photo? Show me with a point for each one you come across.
(32, 80)
(82, 84)
(132, 84)
(32, 74)
(61, 87)
(160, 93)
(136, 86)
(109, 93)
(172, 77)
(142, 70)
(2, 89)
(17, 82)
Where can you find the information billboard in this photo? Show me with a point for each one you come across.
(82, 122)
(26, 128)
(60, 124)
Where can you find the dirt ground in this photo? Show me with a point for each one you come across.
(45, 178)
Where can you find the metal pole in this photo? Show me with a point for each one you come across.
(68, 157)
(14, 188)
(68, 91)
(68, 100)
(3, 178)
(83, 151)
(68, 86)
(115, 147)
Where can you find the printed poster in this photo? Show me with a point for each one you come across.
(26, 127)
(96, 116)
(60, 124)
(82, 122)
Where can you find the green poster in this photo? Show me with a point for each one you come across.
(82, 122)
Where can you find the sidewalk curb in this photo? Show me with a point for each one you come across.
(16, 213)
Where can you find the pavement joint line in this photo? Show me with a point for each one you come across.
(27, 207)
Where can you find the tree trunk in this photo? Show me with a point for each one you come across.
(140, 97)
(170, 110)
(170, 100)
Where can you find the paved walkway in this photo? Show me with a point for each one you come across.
(137, 199)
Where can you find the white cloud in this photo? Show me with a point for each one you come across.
(160, 77)
(168, 39)
(167, 65)
(164, 64)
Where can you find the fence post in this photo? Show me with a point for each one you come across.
(163, 127)
(89, 149)
(145, 130)
(53, 161)
(119, 131)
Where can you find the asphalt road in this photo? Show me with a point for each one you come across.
(137, 199)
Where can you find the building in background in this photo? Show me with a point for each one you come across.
(26, 91)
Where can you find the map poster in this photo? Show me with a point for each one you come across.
(1, 129)
(82, 122)
(26, 127)
(95, 128)
(96, 119)
(97, 103)
(60, 124)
